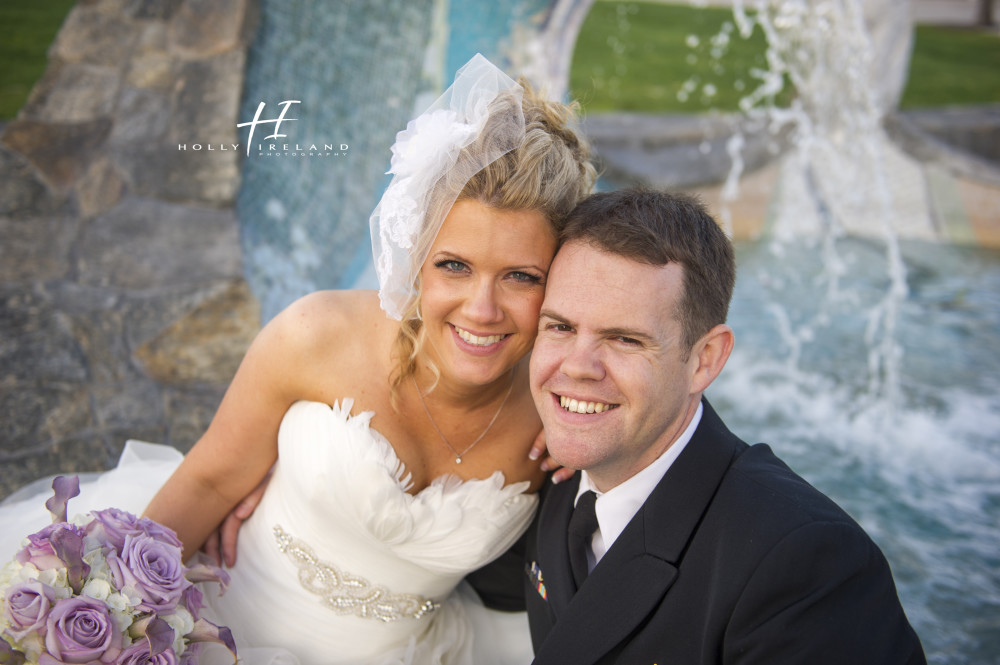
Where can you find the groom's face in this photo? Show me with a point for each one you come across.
(609, 373)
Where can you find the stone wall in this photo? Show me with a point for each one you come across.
(123, 310)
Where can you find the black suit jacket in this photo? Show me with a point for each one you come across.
(732, 559)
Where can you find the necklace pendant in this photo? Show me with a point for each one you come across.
(458, 460)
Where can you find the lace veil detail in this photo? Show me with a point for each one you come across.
(475, 122)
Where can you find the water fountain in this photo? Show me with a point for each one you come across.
(866, 349)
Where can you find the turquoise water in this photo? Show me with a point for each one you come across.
(921, 473)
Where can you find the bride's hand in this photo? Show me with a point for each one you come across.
(538, 449)
(221, 543)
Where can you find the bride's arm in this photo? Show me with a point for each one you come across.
(240, 445)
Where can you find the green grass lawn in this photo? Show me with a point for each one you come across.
(654, 58)
(29, 28)
(953, 66)
(632, 56)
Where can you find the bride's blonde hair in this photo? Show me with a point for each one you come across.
(550, 171)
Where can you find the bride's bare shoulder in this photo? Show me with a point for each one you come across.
(344, 319)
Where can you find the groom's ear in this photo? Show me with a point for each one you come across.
(709, 356)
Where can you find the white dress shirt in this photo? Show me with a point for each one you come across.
(616, 507)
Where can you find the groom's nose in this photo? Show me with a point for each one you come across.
(583, 360)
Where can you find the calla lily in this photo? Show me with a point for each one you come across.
(206, 631)
(10, 656)
(64, 488)
(157, 632)
(199, 571)
(68, 546)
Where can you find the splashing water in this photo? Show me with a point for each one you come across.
(874, 376)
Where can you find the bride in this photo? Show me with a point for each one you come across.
(398, 424)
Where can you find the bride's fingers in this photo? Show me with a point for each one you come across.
(229, 531)
(230, 528)
(561, 472)
(538, 447)
(211, 547)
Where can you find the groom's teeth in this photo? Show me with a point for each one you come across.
(577, 406)
(475, 339)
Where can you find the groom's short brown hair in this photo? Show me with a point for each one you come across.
(658, 228)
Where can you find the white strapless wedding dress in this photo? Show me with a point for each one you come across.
(339, 564)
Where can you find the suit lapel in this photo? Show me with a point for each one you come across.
(553, 553)
(640, 567)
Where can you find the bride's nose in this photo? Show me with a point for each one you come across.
(482, 303)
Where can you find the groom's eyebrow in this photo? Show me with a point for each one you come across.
(548, 314)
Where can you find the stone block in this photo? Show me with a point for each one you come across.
(61, 152)
(86, 453)
(36, 343)
(71, 92)
(143, 117)
(189, 413)
(208, 344)
(33, 413)
(35, 249)
(72, 298)
(148, 315)
(142, 244)
(209, 27)
(203, 177)
(127, 405)
(94, 36)
(206, 105)
(99, 189)
(100, 334)
(152, 9)
(152, 71)
(22, 189)
(115, 438)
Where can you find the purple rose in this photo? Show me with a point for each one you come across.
(138, 654)
(42, 548)
(153, 568)
(111, 525)
(115, 525)
(80, 630)
(26, 607)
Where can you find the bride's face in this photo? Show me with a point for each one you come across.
(482, 286)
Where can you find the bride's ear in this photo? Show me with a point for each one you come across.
(710, 354)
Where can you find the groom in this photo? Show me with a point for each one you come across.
(704, 549)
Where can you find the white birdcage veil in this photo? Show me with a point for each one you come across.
(475, 122)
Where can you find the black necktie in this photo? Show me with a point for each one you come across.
(582, 525)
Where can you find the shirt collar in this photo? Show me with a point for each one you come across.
(616, 507)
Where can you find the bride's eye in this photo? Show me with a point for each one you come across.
(525, 277)
(451, 265)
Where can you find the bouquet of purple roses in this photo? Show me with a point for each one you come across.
(106, 588)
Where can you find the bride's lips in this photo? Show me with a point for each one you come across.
(477, 343)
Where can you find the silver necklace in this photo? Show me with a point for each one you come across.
(458, 455)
